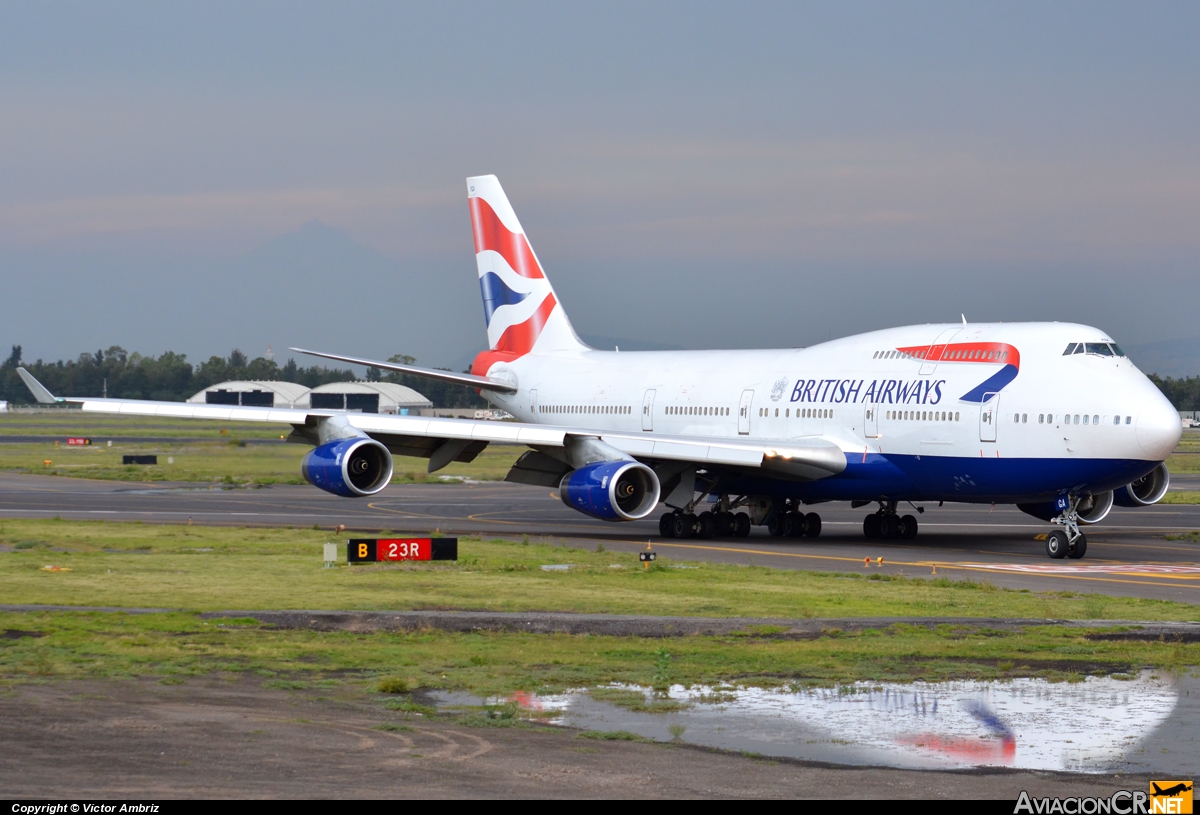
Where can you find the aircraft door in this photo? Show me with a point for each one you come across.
(648, 410)
(871, 423)
(744, 412)
(934, 355)
(989, 414)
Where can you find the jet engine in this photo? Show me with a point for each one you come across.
(611, 490)
(1092, 508)
(348, 467)
(1147, 490)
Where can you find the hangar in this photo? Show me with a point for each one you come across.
(254, 393)
(368, 397)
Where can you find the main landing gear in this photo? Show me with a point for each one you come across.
(792, 523)
(719, 524)
(888, 525)
(1068, 541)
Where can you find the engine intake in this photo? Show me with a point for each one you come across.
(350, 468)
(611, 490)
(1147, 490)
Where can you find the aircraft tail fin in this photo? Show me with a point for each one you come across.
(519, 304)
(38, 390)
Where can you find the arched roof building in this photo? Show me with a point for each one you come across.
(368, 397)
(259, 393)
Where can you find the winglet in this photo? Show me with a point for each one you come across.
(37, 388)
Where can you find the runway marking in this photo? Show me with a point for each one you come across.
(1192, 571)
(1162, 578)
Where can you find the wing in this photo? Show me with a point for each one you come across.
(446, 440)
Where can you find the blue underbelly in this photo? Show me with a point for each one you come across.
(937, 478)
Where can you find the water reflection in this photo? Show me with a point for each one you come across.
(1090, 726)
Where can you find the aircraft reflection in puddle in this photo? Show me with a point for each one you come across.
(1029, 723)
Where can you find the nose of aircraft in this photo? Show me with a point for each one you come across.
(1158, 428)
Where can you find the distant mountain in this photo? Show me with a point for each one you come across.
(1178, 358)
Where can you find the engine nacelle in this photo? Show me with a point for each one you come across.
(1147, 490)
(1092, 508)
(611, 490)
(350, 468)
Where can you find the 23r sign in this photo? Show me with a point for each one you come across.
(376, 550)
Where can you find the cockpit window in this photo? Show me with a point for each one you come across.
(1070, 349)
(1117, 349)
(1079, 349)
(1100, 348)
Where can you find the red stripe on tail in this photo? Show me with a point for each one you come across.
(491, 233)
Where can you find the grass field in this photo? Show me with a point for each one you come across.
(203, 453)
(195, 568)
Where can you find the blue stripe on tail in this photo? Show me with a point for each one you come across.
(496, 294)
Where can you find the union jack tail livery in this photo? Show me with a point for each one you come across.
(520, 307)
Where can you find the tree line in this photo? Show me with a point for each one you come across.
(1184, 393)
(171, 378)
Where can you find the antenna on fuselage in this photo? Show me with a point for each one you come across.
(964, 318)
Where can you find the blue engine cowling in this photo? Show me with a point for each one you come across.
(611, 490)
(1147, 490)
(350, 468)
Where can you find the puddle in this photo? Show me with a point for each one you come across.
(1098, 725)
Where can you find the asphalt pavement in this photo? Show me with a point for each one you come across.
(1131, 553)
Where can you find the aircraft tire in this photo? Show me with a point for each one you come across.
(723, 523)
(813, 529)
(794, 525)
(1079, 549)
(741, 525)
(907, 527)
(775, 525)
(683, 525)
(889, 527)
(1056, 544)
(871, 526)
(705, 527)
(666, 525)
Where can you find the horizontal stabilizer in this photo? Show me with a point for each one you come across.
(471, 380)
(38, 390)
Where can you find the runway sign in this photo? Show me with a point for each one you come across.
(377, 550)
(76, 441)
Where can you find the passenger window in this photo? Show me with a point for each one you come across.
(1024, 418)
(1128, 419)
(1070, 349)
(1076, 418)
(1085, 418)
(1041, 418)
(956, 417)
(1096, 419)
(1116, 419)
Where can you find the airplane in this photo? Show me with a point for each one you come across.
(1172, 791)
(1051, 417)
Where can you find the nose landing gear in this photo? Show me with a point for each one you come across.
(1068, 541)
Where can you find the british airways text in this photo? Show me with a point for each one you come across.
(880, 391)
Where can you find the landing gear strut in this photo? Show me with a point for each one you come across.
(888, 525)
(1068, 541)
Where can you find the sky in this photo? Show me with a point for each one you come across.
(198, 177)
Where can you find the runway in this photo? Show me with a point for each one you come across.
(1128, 554)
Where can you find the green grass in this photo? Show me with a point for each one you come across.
(174, 647)
(1181, 497)
(204, 453)
(210, 568)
